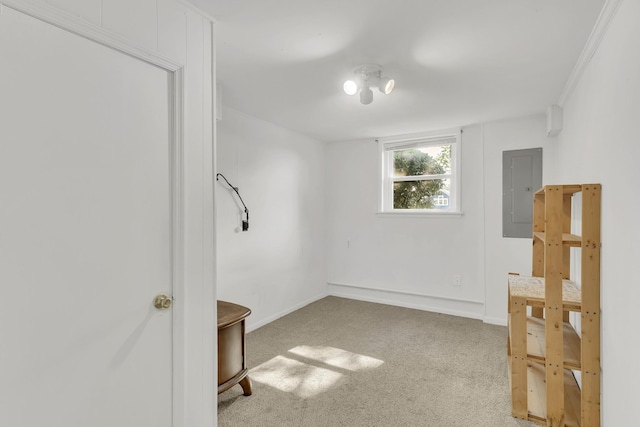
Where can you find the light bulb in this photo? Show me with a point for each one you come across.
(386, 85)
(350, 87)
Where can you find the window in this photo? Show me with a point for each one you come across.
(420, 174)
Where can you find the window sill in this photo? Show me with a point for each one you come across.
(452, 214)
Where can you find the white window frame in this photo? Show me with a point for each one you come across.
(387, 145)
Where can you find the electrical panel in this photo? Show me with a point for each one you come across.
(521, 177)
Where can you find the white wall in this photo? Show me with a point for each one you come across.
(505, 255)
(599, 143)
(278, 265)
(400, 260)
(411, 261)
(173, 30)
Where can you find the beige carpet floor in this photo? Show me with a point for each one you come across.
(341, 362)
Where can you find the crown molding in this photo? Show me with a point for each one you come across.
(593, 42)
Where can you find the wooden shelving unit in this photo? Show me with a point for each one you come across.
(544, 348)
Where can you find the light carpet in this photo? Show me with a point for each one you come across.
(341, 362)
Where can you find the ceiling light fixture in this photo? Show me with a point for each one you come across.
(365, 77)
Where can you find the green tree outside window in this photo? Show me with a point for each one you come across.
(418, 194)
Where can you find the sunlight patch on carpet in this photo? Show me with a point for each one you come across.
(293, 376)
(316, 374)
(336, 357)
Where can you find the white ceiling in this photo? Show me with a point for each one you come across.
(455, 62)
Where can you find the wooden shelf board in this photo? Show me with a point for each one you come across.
(568, 239)
(537, 396)
(566, 189)
(532, 289)
(536, 343)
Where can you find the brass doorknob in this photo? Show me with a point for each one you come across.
(162, 302)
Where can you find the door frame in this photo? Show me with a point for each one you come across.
(53, 16)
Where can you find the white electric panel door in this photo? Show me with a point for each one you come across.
(521, 177)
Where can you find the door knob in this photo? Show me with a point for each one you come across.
(162, 302)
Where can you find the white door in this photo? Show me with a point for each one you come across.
(85, 232)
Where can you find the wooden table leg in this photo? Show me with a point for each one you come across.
(245, 383)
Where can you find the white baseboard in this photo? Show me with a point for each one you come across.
(495, 321)
(437, 304)
(260, 323)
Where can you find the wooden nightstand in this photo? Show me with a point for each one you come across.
(232, 364)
